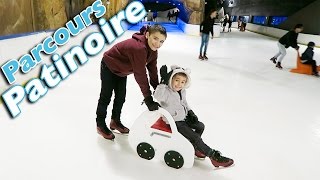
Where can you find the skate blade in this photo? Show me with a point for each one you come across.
(199, 158)
(118, 132)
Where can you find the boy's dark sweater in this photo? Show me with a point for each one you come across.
(289, 39)
(133, 56)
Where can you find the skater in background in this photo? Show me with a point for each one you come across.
(132, 56)
(243, 24)
(307, 58)
(229, 24)
(289, 39)
(171, 94)
(239, 24)
(176, 14)
(206, 27)
(154, 16)
(225, 21)
(169, 16)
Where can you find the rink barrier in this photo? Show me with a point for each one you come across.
(277, 33)
(12, 36)
(65, 64)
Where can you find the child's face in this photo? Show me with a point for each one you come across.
(178, 82)
(298, 30)
(155, 40)
(213, 14)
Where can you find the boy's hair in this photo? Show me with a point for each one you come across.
(211, 11)
(311, 44)
(157, 28)
(298, 26)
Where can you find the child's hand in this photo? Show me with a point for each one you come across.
(191, 117)
(164, 75)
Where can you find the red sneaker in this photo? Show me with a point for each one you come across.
(218, 160)
(106, 133)
(118, 126)
(199, 154)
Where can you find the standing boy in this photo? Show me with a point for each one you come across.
(132, 56)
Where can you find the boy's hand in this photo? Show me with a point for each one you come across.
(152, 106)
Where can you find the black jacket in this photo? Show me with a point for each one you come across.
(289, 39)
(207, 26)
(307, 55)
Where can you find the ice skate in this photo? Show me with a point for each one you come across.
(205, 57)
(278, 65)
(105, 133)
(117, 125)
(274, 60)
(315, 74)
(201, 57)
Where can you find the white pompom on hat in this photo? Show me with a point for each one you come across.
(176, 69)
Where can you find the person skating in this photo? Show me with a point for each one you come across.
(132, 56)
(289, 39)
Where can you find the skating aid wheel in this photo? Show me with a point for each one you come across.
(145, 151)
(174, 159)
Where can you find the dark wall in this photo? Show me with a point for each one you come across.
(308, 16)
(265, 7)
(297, 11)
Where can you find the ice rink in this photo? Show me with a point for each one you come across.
(264, 118)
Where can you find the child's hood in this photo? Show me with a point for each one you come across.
(176, 69)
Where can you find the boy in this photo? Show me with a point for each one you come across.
(131, 56)
(289, 39)
(307, 58)
(171, 94)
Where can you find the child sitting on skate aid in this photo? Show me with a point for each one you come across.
(171, 94)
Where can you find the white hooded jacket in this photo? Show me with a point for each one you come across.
(170, 99)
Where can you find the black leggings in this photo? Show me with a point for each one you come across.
(109, 83)
(313, 63)
(193, 136)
